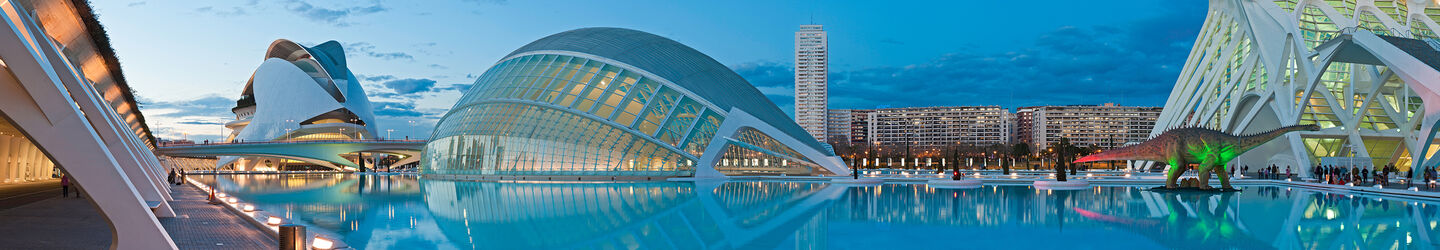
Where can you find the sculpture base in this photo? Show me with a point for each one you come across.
(965, 183)
(1062, 185)
(861, 181)
(1192, 190)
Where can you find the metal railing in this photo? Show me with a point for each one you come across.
(173, 145)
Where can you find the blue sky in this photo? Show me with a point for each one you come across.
(188, 60)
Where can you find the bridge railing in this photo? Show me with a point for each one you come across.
(172, 145)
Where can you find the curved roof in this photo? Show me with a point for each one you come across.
(677, 63)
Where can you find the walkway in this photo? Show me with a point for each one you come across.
(199, 225)
(324, 153)
(33, 216)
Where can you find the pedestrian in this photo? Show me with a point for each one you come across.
(1410, 177)
(65, 186)
(171, 177)
(1364, 173)
(180, 176)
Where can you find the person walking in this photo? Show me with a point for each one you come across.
(180, 177)
(1410, 177)
(65, 186)
(171, 177)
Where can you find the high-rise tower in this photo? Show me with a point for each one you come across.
(811, 69)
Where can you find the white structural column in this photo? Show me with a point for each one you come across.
(18, 148)
(4, 158)
(14, 160)
(151, 186)
(33, 98)
(27, 157)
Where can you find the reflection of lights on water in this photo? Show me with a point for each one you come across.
(322, 243)
(1330, 215)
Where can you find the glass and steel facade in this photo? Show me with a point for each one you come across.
(553, 112)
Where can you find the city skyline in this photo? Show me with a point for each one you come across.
(878, 58)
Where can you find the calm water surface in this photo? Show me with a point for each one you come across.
(405, 211)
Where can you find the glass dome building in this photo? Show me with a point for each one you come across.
(619, 102)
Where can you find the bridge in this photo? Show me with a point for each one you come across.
(319, 152)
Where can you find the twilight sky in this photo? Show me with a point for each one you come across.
(188, 60)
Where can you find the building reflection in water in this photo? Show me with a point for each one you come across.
(407, 211)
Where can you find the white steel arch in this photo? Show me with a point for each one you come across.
(1259, 64)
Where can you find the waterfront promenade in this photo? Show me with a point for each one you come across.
(33, 216)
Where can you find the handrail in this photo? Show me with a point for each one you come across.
(287, 142)
(1434, 44)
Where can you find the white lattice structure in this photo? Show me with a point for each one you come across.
(1347, 65)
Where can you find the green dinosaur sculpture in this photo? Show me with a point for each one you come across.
(1209, 148)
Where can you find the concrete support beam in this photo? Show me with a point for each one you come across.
(33, 98)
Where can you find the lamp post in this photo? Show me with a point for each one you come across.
(412, 128)
(388, 133)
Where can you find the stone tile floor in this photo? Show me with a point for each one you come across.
(199, 225)
(33, 216)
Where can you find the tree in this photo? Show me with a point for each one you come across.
(1020, 151)
(1063, 152)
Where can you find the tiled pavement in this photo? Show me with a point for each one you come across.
(199, 225)
(40, 219)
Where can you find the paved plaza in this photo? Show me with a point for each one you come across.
(33, 216)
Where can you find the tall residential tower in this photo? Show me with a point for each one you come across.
(811, 68)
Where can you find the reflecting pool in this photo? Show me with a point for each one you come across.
(406, 211)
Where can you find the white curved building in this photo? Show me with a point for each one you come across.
(619, 102)
(299, 93)
(1365, 71)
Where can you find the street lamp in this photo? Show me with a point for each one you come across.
(412, 128)
(389, 133)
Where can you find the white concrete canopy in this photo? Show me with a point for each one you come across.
(34, 98)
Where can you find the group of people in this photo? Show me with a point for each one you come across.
(177, 178)
(1272, 172)
(1340, 175)
(1430, 177)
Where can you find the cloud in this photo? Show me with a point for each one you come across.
(337, 17)
(135, 4)
(462, 88)
(1131, 63)
(199, 122)
(397, 109)
(210, 106)
(437, 66)
(232, 11)
(766, 74)
(410, 85)
(376, 78)
(367, 49)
